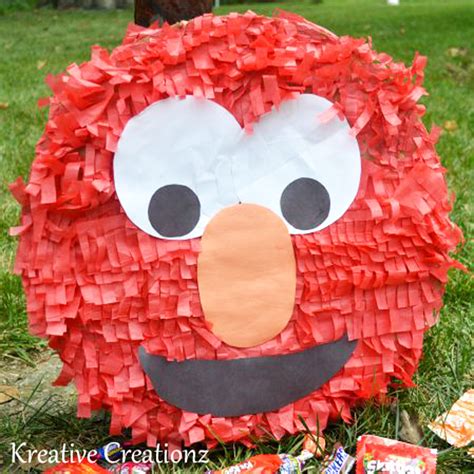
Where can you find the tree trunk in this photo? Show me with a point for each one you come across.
(171, 11)
(102, 4)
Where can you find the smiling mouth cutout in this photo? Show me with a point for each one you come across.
(246, 386)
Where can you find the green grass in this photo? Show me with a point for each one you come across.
(434, 28)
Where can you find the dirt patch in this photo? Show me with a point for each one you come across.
(460, 65)
(21, 383)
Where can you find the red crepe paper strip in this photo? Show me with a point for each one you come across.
(99, 288)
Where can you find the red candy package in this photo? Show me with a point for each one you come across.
(260, 464)
(76, 468)
(387, 456)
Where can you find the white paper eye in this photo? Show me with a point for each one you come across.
(172, 168)
(306, 171)
(179, 162)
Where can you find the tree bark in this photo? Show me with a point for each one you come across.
(171, 11)
(102, 4)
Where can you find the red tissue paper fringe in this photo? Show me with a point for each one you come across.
(98, 288)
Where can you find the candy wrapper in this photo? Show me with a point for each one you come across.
(109, 452)
(131, 468)
(269, 464)
(294, 464)
(457, 425)
(339, 463)
(76, 468)
(387, 456)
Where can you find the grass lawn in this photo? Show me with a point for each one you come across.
(35, 43)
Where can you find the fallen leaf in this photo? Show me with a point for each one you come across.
(455, 52)
(450, 125)
(7, 393)
(40, 65)
(456, 426)
(410, 430)
(4, 105)
(181, 24)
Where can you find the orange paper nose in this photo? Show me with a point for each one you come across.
(247, 275)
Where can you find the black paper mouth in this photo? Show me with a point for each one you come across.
(239, 387)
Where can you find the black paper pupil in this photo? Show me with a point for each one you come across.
(305, 203)
(174, 210)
